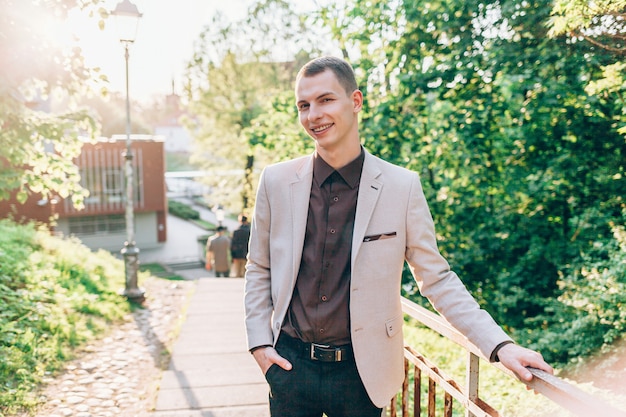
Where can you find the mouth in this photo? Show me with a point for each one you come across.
(321, 129)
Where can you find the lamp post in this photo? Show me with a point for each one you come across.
(127, 18)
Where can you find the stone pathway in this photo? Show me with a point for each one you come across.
(120, 374)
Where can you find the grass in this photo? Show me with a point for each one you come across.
(507, 395)
(204, 224)
(55, 295)
(158, 270)
(496, 388)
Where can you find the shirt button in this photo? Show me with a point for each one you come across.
(322, 331)
(324, 298)
(335, 199)
(332, 231)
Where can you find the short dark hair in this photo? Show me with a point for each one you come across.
(220, 228)
(341, 68)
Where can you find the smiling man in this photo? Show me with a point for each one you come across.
(330, 235)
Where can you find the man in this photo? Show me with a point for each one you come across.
(329, 238)
(239, 247)
(217, 253)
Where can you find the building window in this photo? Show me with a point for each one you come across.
(103, 174)
(113, 185)
(92, 225)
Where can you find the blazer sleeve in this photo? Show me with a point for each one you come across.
(439, 283)
(257, 294)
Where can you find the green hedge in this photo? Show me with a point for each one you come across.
(183, 210)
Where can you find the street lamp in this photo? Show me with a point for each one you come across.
(219, 214)
(126, 19)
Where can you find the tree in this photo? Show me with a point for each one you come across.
(110, 114)
(237, 72)
(603, 25)
(37, 146)
(522, 166)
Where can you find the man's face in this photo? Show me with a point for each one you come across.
(327, 112)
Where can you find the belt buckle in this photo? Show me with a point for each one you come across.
(312, 350)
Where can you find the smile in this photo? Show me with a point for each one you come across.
(321, 128)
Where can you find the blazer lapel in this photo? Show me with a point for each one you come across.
(300, 189)
(369, 191)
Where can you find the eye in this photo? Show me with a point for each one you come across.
(303, 106)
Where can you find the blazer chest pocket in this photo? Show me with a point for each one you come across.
(380, 236)
(394, 326)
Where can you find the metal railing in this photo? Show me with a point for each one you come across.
(566, 395)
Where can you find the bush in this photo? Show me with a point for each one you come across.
(183, 210)
(55, 295)
(589, 314)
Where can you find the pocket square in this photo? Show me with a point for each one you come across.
(381, 236)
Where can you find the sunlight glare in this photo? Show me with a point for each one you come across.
(100, 47)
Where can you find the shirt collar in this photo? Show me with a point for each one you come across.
(351, 173)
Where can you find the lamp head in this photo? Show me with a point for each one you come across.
(126, 19)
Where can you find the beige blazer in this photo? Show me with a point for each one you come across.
(391, 203)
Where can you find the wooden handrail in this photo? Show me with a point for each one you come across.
(557, 390)
(569, 396)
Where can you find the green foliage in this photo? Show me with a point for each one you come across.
(522, 166)
(158, 270)
(497, 389)
(38, 147)
(590, 311)
(277, 134)
(182, 210)
(599, 22)
(236, 71)
(55, 295)
(516, 134)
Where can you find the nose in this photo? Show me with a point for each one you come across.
(314, 112)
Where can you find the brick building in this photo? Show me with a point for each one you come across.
(101, 223)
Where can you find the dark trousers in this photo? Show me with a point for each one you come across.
(312, 388)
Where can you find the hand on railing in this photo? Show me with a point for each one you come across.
(517, 359)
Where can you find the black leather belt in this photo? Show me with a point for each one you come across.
(318, 352)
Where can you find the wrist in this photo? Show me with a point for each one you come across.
(494, 354)
(259, 347)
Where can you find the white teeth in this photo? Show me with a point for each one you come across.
(319, 129)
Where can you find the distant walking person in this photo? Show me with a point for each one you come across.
(217, 253)
(239, 247)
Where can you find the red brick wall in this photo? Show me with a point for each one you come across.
(97, 158)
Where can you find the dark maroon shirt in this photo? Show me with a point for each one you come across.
(319, 311)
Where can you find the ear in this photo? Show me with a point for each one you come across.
(357, 99)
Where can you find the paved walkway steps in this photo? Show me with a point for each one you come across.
(211, 373)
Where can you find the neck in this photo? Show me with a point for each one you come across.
(340, 157)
